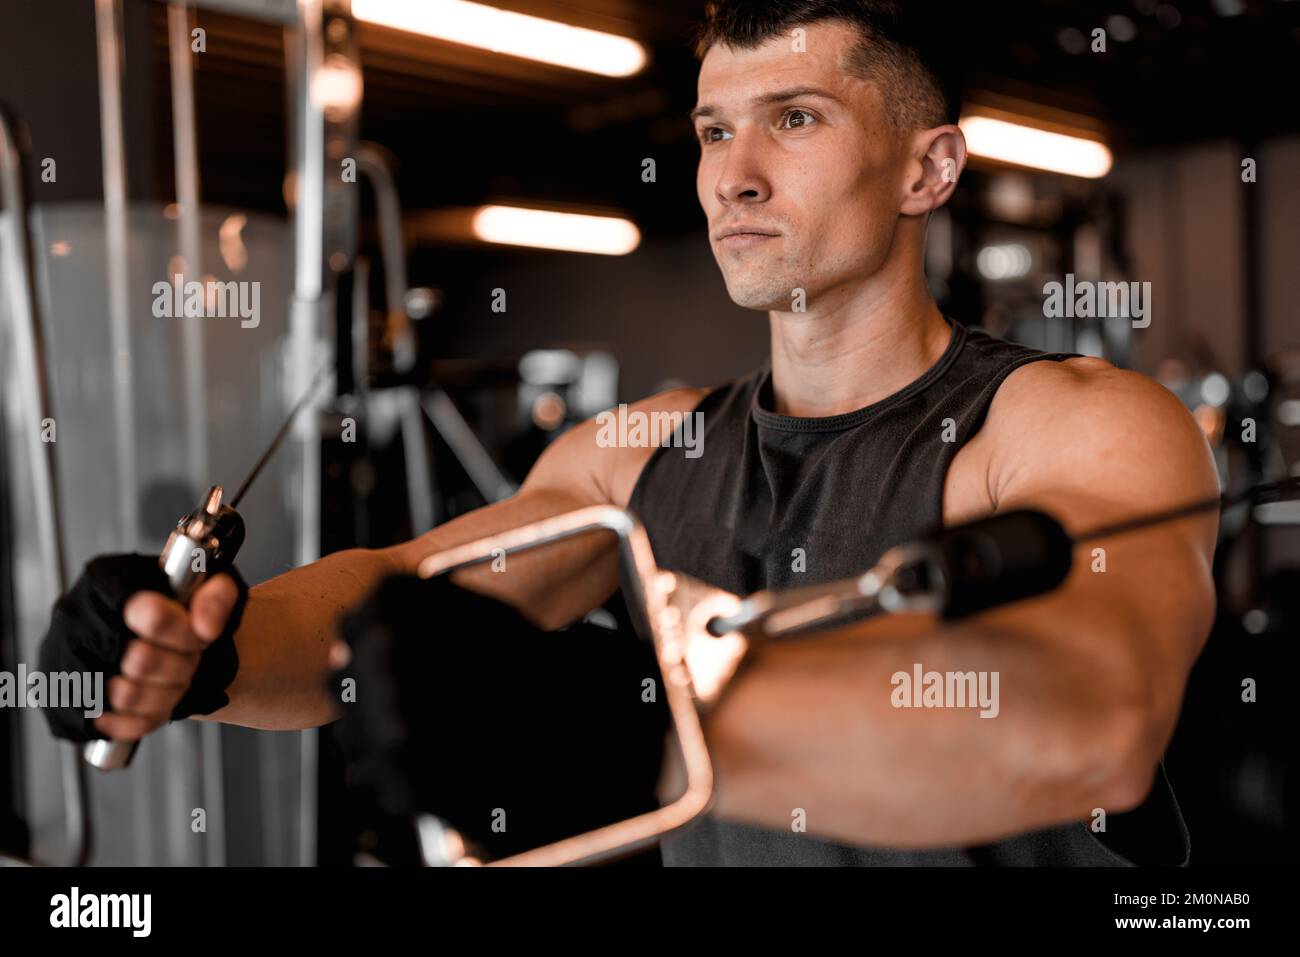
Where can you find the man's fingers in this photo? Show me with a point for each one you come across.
(211, 607)
(154, 702)
(160, 620)
(150, 664)
(125, 727)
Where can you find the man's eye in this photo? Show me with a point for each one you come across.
(708, 135)
(796, 119)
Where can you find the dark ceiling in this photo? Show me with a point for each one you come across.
(469, 125)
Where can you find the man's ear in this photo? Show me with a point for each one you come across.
(937, 158)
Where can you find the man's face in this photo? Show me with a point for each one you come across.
(819, 171)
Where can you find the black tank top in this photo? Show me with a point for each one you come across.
(845, 489)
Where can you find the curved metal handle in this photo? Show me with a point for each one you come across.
(649, 591)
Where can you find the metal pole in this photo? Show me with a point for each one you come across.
(373, 162)
(108, 18)
(308, 240)
(31, 367)
(108, 33)
(185, 147)
(306, 46)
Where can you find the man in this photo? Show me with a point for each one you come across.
(825, 144)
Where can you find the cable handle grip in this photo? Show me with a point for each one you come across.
(997, 560)
(1021, 554)
(205, 539)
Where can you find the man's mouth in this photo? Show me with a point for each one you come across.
(741, 237)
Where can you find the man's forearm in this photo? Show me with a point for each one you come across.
(291, 620)
(814, 725)
(284, 639)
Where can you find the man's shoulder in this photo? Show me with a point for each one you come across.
(1051, 378)
(1080, 389)
(1083, 417)
(683, 399)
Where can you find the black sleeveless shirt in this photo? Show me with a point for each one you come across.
(845, 489)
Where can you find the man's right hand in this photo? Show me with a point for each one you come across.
(160, 660)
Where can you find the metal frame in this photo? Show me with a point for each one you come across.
(374, 164)
(29, 345)
(185, 148)
(108, 37)
(304, 44)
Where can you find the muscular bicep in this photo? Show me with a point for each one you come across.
(1094, 445)
(552, 584)
(559, 582)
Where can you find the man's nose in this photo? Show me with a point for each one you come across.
(742, 179)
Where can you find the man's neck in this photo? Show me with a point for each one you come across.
(855, 349)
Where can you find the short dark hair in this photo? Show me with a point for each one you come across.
(899, 51)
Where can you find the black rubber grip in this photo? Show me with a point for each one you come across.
(1004, 558)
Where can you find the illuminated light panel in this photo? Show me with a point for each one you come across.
(544, 229)
(1020, 145)
(504, 31)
